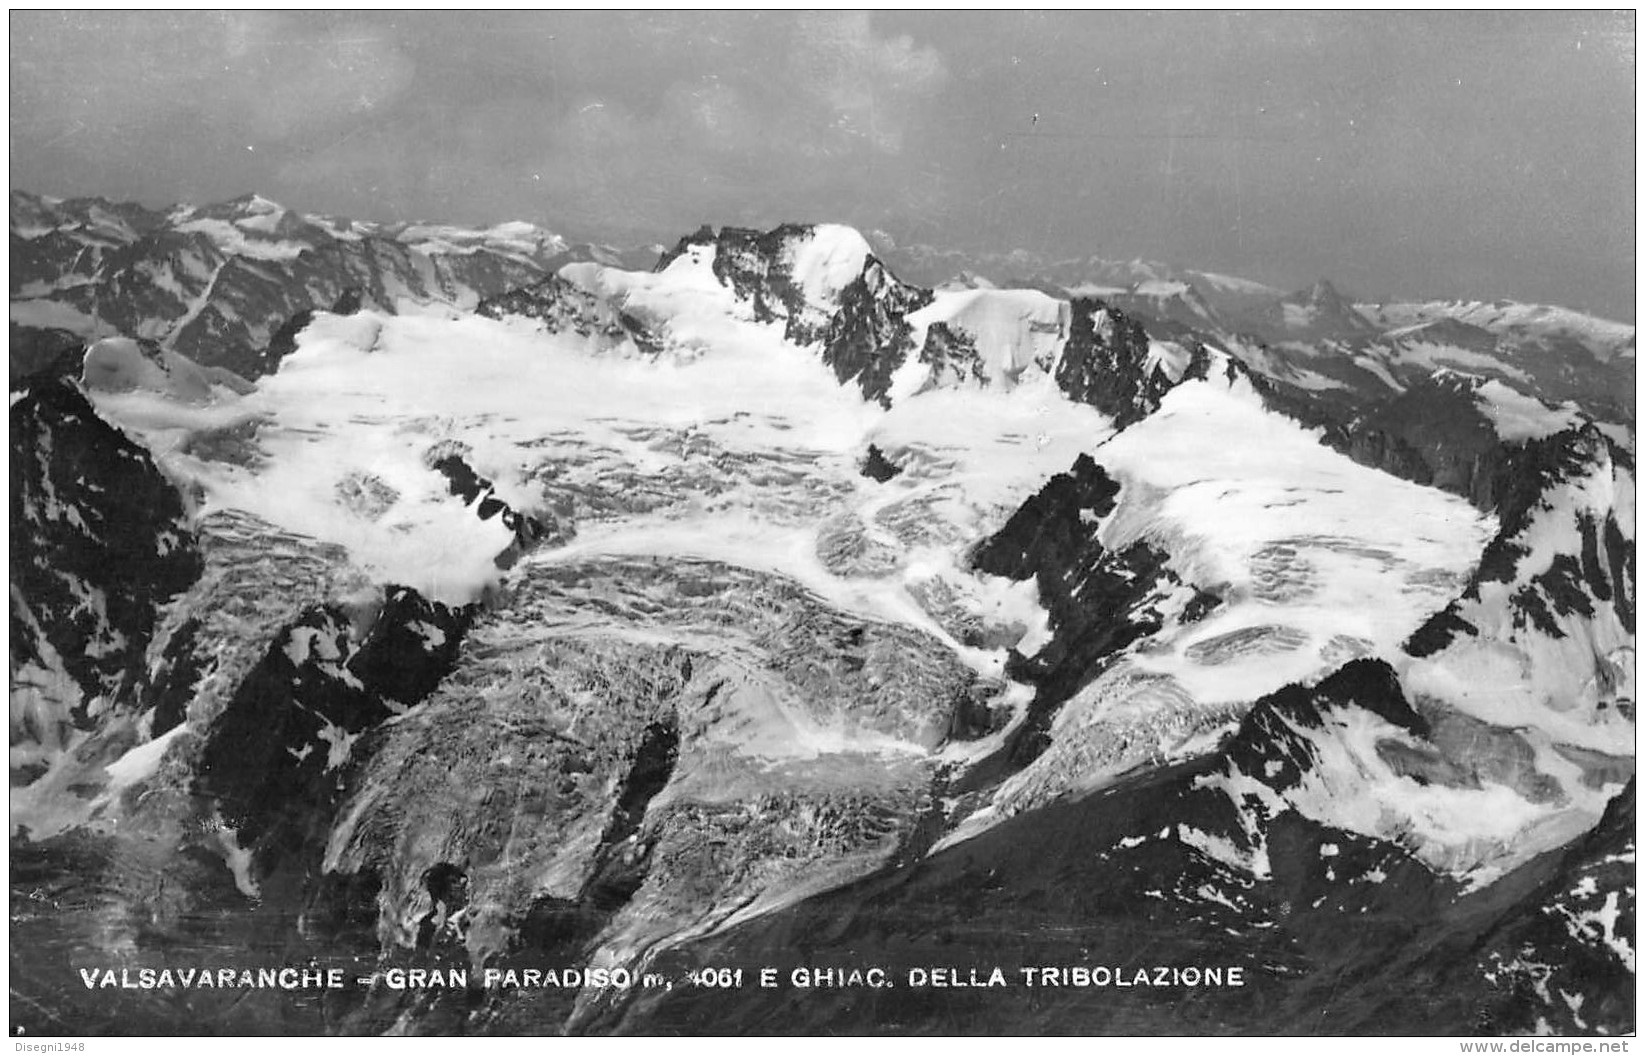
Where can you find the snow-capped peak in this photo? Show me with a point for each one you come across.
(826, 261)
(1604, 339)
(1316, 312)
(256, 205)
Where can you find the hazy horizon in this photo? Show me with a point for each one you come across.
(1401, 155)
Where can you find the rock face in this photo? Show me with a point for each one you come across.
(324, 683)
(1562, 960)
(284, 340)
(1099, 601)
(1155, 873)
(1544, 485)
(562, 307)
(869, 338)
(767, 611)
(450, 460)
(826, 288)
(100, 541)
(761, 267)
(35, 351)
(1433, 433)
(1109, 364)
(877, 467)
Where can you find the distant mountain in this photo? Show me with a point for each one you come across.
(216, 282)
(1085, 276)
(1316, 338)
(1309, 315)
(1510, 320)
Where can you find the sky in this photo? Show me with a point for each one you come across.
(1399, 154)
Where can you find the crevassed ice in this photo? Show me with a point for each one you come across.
(751, 440)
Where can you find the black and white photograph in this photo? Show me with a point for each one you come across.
(747, 523)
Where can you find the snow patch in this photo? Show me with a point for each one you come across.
(232, 239)
(826, 261)
(142, 762)
(1519, 418)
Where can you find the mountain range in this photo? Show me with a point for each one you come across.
(413, 597)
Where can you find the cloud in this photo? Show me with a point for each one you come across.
(627, 122)
(865, 80)
(293, 76)
(257, 75)
(647, 123)
(622, 125)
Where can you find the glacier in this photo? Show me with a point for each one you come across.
(570, 620)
